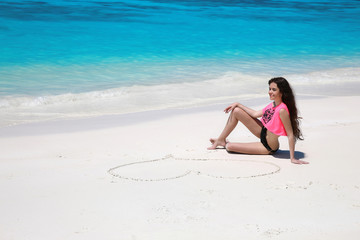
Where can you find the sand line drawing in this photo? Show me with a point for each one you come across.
(174, 168)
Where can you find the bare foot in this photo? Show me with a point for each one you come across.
(212, 140)
(216, 143)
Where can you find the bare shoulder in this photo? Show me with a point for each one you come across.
(283, 113)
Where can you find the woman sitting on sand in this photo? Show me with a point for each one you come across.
(279, 118)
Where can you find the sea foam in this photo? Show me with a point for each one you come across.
(231, 86)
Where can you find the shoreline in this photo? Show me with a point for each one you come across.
(82, 124)
(106, 121)
(230, 87)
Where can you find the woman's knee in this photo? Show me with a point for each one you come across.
(238, 112)
(230, 147)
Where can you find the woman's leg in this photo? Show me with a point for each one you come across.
(247, 148)
(253, 124)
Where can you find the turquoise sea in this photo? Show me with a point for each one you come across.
(76, 58)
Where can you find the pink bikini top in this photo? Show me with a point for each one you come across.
(271, 119)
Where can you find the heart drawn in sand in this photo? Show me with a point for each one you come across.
(170, 167)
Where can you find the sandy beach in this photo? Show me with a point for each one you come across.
(149, 176)
(107, 108)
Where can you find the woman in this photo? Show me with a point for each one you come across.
(279, 118)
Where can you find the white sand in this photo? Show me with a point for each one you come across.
(55, 184)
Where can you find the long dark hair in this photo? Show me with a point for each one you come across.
(289, 99)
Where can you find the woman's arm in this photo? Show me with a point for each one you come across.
(253, 113)
(285, 118)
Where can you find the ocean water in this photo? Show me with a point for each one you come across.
(77, 58)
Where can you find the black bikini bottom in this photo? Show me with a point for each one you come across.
(263, 140)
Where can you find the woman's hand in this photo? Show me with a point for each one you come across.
(296, 161)
(231, 107)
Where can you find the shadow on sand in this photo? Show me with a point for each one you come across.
(281, 154)
(285, 154)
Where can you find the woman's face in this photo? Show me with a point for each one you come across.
(274, 92)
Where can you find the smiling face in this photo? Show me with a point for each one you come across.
(274, 92)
